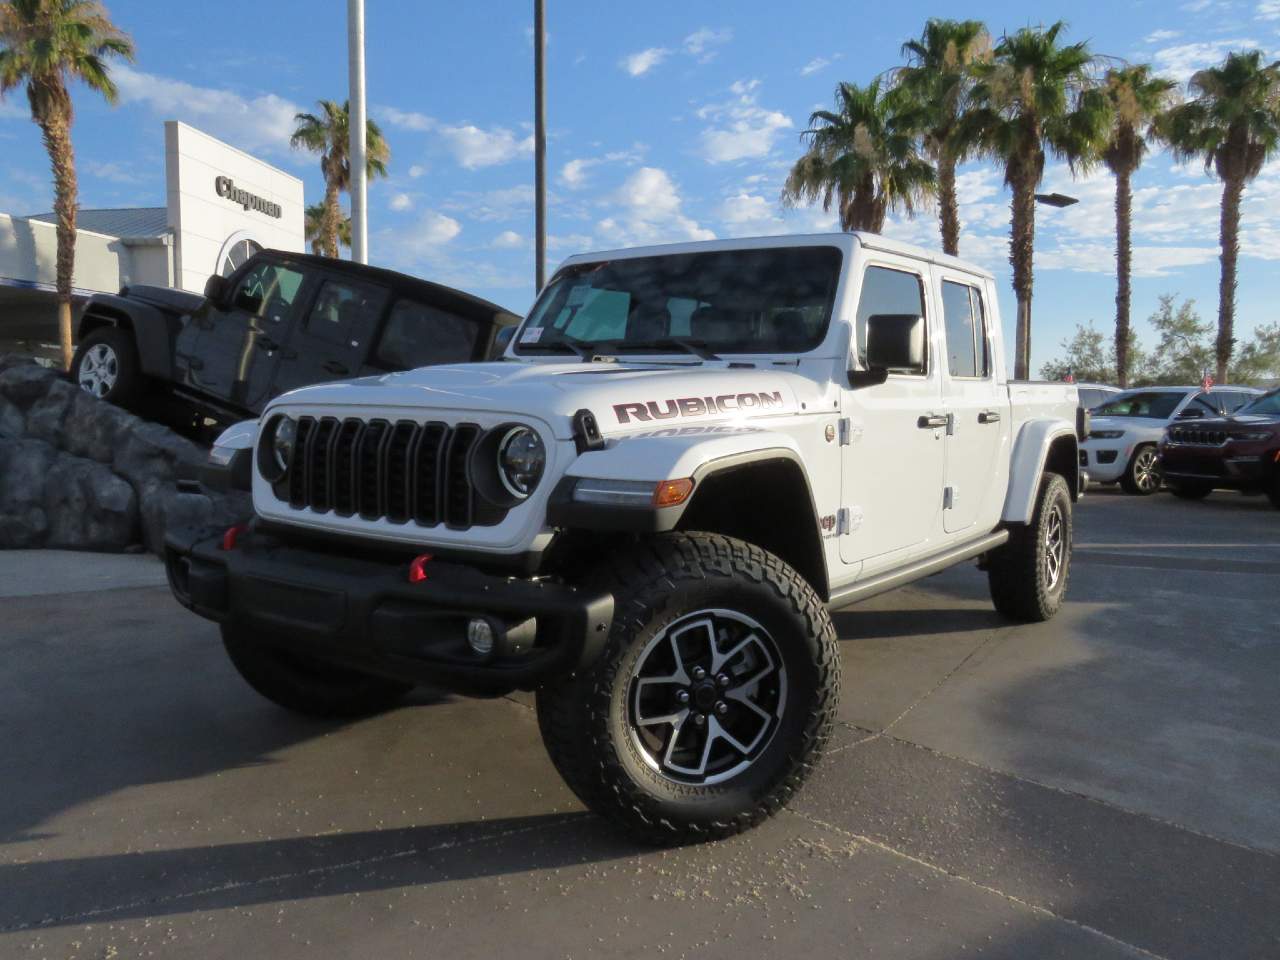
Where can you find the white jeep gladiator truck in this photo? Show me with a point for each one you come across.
(645, 511)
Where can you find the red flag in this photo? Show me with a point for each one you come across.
(1207, 382)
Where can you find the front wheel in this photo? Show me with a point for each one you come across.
(1142, 476)
(713, 697)
(106, 365)
(306, 685)
(1028, 575)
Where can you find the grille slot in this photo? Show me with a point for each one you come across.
(1198, 436)
(403, 472)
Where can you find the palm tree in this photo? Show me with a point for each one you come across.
(1037, 96)
(314, 225)
(46, 44)
(863, 158)
(935, 86)
(1138, 98)
(328, 135)
(1232, 123)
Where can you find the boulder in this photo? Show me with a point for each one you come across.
(94, 429)
(46, 418)
(24, 467)
(148, 452)
(12, 423)
(26, 383)
(88, 506)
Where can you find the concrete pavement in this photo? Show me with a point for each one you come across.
(1104, 785)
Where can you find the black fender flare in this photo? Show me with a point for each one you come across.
(154, 331)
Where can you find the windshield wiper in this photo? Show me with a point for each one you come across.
(698, 348)
(562, 345)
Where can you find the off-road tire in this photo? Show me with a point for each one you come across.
(129, 383)
(1190, 490)
(584, 719)
(307, 686)
(1142, 466)
(1022, 586)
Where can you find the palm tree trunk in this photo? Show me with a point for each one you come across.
(948, 206)
(332, 219)
(1022, 235)
(55, 126)
(1229, 237)
(1124, 268)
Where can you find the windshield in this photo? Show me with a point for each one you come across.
(1154, 404)
(730, 301)
(1266, 405)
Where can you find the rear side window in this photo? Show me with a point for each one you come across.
(886, 291)
(345, 312)
(966, 330)
(417, 335)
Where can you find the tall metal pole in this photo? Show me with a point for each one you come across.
(540, 141)
(356, 121)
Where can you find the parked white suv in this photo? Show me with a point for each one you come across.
(687, 457)
(1126, 430)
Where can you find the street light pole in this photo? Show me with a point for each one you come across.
(1022, 344)
(357, 148)
(540, 142)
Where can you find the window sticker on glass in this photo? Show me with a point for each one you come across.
(531, 335)
(577, 295)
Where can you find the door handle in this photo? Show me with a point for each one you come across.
(932, 421)
(989, 416)
(334, 367)
(266, 343)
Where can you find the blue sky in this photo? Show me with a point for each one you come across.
(667, 121)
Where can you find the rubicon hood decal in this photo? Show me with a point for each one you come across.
(647, 410)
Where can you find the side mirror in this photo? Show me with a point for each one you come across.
(215, 290)
(1191, 413)
(895, 342)
(501, 340)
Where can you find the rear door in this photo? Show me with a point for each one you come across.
(334, 335)
(977, 406)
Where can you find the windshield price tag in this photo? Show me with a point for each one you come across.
(577, 295)
(530, 334)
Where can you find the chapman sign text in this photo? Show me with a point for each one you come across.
(226, 187)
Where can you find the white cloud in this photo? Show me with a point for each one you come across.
(509, 240)
(638, 64)
(400, 202)
(574, 173)
(1269, 10)
(505, 203)
(1101, 258)
(474, 147)
(573, 242)
(700, 43)
(740, 129)
(406, 119)
(1181, 61)
(262, 123)
(431, 231)
(814, 65)
(650, 210)
(417, 170)
(746, 214)
(112, 171)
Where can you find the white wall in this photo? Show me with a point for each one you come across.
(203, 221)
(29, 256)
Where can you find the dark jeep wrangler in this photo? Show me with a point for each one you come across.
(282, 320)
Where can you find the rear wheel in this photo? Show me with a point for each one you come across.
(106, 365)
(1191, 490)
(1028, 575)
(712, 699)
(1142, 476)
(306, 685)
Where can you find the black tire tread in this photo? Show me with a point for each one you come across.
(130, 384)
(641, 578)
(1015, 571)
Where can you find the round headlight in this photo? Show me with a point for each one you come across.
(286, 435)
(521, 460)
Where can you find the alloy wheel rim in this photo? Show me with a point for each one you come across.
(1145, 473)
(1055, 546)
(706, 696)
(99, 370)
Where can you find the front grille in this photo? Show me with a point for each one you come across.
(1198, 436)
(379, 470)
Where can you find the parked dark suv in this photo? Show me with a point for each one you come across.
(282, 320)
(1239, 452)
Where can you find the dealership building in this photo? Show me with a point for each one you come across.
(221, 206)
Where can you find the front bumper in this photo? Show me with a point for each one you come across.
(1106, 464)
(365, 614)
(1221, 466)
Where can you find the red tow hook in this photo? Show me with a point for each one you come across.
(418, 568)
(232, 535)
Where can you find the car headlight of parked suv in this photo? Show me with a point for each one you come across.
(275, 448)
(1250, 435)
(1106, 434)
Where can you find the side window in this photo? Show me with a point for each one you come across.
(886, 291)
(417, 335)
(271, 287)
(962, 330)
(345, 313)
(981, 332)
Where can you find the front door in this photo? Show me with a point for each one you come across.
(895, 439)
(977, 436)
(334, 337)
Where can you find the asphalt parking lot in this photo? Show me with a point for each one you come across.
(1106, 785)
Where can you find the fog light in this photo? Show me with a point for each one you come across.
(480, 637)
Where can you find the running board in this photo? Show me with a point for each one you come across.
(884, 582)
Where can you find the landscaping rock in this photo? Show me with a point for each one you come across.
(148, 452)
(12, 423)
(95, 429)
(46, 418)
(26, 383)
(24, 467)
